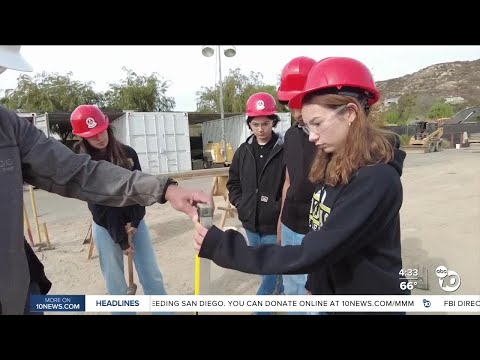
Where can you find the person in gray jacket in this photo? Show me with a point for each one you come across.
(26, 154)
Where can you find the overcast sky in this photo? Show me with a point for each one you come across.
(188, 70)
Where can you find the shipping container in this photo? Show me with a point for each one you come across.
(28, 116)
(236, 129)
(161, 139)
(41, 122)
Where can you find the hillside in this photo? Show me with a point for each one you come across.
(454, 80)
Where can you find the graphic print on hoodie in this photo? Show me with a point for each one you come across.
(318, 211)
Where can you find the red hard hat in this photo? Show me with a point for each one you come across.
(339, 74)
(261, 104)
(294, 76)
(88, 121)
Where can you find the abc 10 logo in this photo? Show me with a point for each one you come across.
(449, 280)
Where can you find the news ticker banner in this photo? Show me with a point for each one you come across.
(254, 303)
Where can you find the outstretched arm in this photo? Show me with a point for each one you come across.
(367, 205)
(51, 166)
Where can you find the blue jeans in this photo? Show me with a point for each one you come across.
(112, 258)
(271, 284)
(294, 284)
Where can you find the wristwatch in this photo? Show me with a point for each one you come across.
(167, 184)
(171, 182)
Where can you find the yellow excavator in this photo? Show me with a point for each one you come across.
(427, 137)
(214, 155)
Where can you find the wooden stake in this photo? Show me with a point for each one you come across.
(35, 214)
(26, 222)
(46, 235)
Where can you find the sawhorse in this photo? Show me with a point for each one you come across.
(219, 188)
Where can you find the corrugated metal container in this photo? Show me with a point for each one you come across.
(236, 129)
(41, 122)
(28, 116)
(161, 139)
(284, 124)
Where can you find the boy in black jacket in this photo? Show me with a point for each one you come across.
(256, 179)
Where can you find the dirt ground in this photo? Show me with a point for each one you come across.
(440, 221)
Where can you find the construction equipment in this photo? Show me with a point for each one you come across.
(214, 155)
(427, 137)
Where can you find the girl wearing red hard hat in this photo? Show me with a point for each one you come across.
(109, 229)
(353, 246)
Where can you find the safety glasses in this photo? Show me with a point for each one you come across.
(318, 126)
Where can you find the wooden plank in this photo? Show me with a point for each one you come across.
(226, 208)
(197, 173)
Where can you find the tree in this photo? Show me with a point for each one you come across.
(237, 88)
(423, 103)
(47, 92)
(392, 117)
(63, 129)
(440, 109)
(406, 104)
(139, 93)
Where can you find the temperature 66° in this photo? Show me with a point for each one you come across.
(407, 285)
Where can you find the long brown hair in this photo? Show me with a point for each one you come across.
(114, 152)
(366, 144)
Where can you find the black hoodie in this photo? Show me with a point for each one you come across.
(354, 249)
(255, 187)
(114, 219)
